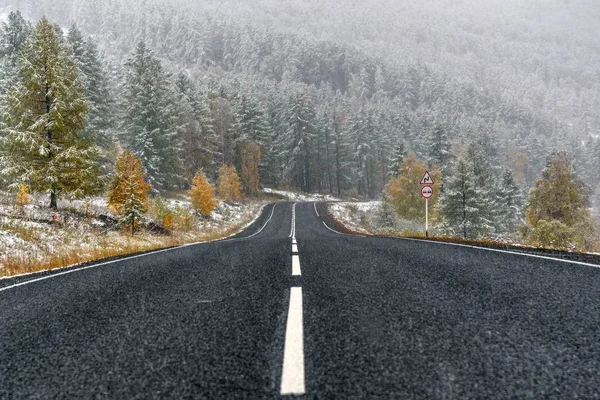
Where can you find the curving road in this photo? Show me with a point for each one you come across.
(336, 316)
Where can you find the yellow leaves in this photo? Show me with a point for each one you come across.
(403, 193)
(202, 195)
(23, 195)
(229, 184)
(128, 192)
(250, 162)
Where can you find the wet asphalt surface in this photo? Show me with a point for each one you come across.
(383, 318)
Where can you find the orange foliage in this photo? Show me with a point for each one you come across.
(202, 195)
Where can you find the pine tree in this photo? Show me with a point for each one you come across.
(461, 206)
(100, 121)
(300, 136)
(439, 147)
(202, 195)
(128, 191)
(510, 203)
(397, 160)
(13, 35)
(229, 184)
(45, 111)
(150, 119)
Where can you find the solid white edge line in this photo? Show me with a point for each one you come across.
(315, 205)
(504, 251)
(292, 375)
(296, 265)
(263, 227)
(341, 233)
(53, 275)
(480, 248)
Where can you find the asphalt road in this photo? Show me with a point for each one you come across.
(379, 318)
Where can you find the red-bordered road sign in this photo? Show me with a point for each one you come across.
(426, 191)
(427, 179)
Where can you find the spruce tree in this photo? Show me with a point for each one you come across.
(149, 120)
(510, 203)
(45, 112)
(439, 147)
(463, 210)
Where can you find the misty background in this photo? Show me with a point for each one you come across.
(513, 79)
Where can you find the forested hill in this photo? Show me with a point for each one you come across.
(335, 92)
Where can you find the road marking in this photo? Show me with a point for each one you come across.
(54, 275)
(296, 265)
(315, 205)
(340, 233)
(294, 248)
(263, 227)
(294, 241)
(293, 230)
(506, 252)
(292, 375)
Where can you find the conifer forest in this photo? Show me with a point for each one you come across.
(499, 97)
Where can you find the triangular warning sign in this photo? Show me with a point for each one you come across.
(427, 179)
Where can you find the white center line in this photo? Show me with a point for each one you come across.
(294, 248)
(292, 376)
(293, 230)
(296, 265)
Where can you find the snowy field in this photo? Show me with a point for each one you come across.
(37, 238)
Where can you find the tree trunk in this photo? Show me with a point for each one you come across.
(53, 203)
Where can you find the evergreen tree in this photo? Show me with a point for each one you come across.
(439, 147)
(45, 111)
(13, 35)
(397, 160)
(128, 191)
(100, 121)
(510, 203)
(149, 121)
(250, 162)
(461, 207)
(300, 138)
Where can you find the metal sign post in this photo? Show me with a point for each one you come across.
(426, 192)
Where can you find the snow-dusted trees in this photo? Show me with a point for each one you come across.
(439, 147)
(462, 207)
(300, 136)
(250, 162)
(13, 34)
(556, 211)
(510, 204)
(149, 120)
(100, 118)
(128, 191)
(45, 112)
(200, 143)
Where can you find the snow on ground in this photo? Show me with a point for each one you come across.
(35, 234)
(357, 216)
(293, 196)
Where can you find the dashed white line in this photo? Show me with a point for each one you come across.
(293, 230)
(294, 248)
(296, 265)
(292, 376)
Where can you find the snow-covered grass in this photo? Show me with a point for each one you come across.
(300, 197)
(37, 238)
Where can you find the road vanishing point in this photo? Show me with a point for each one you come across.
(291, 308)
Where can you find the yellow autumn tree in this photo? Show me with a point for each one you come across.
(229, 184)
(202, 195)
(403, 193)
(250, 163)
(23, 196)
(128, 192)
(556, 211)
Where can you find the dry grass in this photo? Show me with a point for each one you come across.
(42, 247)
